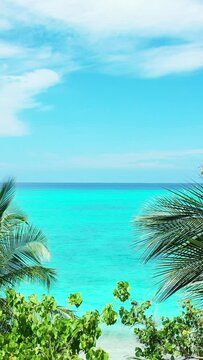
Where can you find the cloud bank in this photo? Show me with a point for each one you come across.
(126, 37)
(112, 17)
(126, 161)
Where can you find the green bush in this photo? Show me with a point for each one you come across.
(181, 336)
(38, 330)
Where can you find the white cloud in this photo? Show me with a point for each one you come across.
(18, 93)
(127, 161)
(147, 160)
(156, 61)
(4, 25)
(115, 36)
(171, 59)
(8, 50)
(22, 78)
(108, 17)
(17, 59)
(130, 22)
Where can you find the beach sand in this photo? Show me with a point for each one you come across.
(118, 342)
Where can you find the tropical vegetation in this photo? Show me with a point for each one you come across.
(172, 233)
(41, 330)
(34, 329)
(23, 247)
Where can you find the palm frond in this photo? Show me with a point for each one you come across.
(195, 291)
(65, 312)
(24, 240)
(22, 246)
(9, 221)
(6, 195)
(20, 250)
(172, 232)
(33, 273)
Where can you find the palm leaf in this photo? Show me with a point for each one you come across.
(11, 220)
(6, 195)
(33, 273)
(21, 236)
(22, 246)
(172, 233)
(20, 249)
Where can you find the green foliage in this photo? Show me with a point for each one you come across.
(122, 292)
(36, 330)
(23, 248)
(172, 233)
(75, 299)
(109, 316)
(181, 336)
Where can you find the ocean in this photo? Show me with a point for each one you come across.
(91, 235)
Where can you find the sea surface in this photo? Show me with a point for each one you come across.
(91, 235)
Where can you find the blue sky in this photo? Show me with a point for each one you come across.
(101, 91)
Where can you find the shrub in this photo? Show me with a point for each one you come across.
(181, 336)
(37, 330)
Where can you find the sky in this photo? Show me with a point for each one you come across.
(101, 91)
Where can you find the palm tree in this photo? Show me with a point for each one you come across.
(172, 233)
(22, 246)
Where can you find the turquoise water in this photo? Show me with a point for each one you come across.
(91, 233)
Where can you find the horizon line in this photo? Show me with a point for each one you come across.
(99, 182)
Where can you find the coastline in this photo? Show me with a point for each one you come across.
(119, 342)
